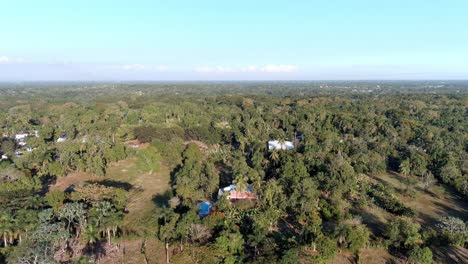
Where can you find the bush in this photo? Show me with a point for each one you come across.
(420, 256)
(403, 233)
(148, 160)
(144, 134)
(203, 133)
(453, 230)
(385, 199)
(291, 256)
(171, 151)
(327, 248)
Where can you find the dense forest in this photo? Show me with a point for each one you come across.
(184, 173)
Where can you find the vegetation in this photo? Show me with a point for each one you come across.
(310, 204)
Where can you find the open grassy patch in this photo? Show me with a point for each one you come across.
(142, 187)
(430, 205)
(376, 256)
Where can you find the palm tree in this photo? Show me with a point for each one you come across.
(166, 228)
(274, 156)
(110, 224)
(91, 234)
(34, 202)
(282, 141)
(405, 167)
(241, 182)
(340, 233)
(6, 225)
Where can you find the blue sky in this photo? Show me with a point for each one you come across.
(233, 40)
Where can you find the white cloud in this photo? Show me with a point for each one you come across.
(204, 69)
(161, 68)
(279, 68)
(13, 60)
(134, 67)
(142, 67)
(269, 68)
(4, 59)
(216, 69)
(250, 68)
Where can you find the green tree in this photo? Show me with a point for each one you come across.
(166, 226)
(148, 160)
(91, 234)
(230, 245)
(403, 233)
(352, 236)
(405, 167)
(75, 216)
(420, 256)
(454, 230)
(6, 227)
(327, 248)
(55, 199)
(241, 182)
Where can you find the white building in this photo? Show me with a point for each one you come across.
(234, 194)
(277, 145)
(62, 139)
(21, 136)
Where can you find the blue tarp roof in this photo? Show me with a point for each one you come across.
(205, 208)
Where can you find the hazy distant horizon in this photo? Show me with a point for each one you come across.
(242, 40)
(317, 81)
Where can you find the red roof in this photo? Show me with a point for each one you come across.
(235, 195)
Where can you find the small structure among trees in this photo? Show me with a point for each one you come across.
(280, 145)
(62, 138)
(234, 193)
(205, 209)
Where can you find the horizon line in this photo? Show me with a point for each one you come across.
(231, 80)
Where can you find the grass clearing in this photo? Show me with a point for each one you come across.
(143, 187)
(430, 205)
(376, 256)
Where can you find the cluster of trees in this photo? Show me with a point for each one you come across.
(59, 225)
(309, 200)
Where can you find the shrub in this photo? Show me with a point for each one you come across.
(385, 199)
(420, 256)
(453, 230)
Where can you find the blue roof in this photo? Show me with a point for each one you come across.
(205, 209)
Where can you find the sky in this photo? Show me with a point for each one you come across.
(233, 40)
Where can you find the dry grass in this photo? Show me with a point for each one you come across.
(376, 256)
(437, 201)
(141, 205)
(429, 205)
(144, 186)
(74, 178)
(135, 252)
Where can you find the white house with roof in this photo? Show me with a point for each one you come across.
(234, 194)
(277, 145)
(62, 139)
(21, 136)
